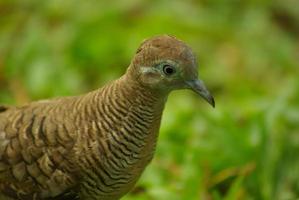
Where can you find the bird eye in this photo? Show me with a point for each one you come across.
(168, 69)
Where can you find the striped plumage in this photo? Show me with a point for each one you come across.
(93, 146)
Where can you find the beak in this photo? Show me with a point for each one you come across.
(199, 87)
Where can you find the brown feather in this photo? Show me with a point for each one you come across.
(95, 145)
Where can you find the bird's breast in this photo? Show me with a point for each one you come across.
(116, 152)
(118, 141)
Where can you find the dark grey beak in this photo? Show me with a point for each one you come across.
(199, 87)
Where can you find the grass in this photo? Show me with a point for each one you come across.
(245, 148)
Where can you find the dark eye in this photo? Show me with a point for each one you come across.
(168, 69)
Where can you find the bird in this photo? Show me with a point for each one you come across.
(95, 145)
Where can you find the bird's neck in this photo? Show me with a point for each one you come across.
(139, 100)
(127, 102)
(141, 94)
(134, 109)
(125, 119)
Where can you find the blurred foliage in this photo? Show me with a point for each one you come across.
(245, 148)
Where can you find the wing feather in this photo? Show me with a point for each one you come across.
(35, 152)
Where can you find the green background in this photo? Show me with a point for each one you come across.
(248, 52)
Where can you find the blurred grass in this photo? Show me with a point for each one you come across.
(246, 148)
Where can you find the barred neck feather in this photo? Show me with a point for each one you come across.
(116, 149)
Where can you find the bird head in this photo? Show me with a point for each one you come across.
(165, 63)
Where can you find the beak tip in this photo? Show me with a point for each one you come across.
(212, 101)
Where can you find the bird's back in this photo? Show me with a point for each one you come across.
(35, 144)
